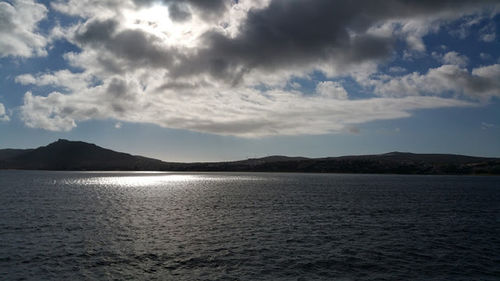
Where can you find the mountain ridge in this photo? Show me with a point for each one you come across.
(77, 155)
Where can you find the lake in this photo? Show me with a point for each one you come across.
(247, 226)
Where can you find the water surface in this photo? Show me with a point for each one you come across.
(247, 226)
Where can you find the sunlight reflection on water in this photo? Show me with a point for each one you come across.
(135, 181)
(142, 179)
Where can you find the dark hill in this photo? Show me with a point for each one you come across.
(75, 155)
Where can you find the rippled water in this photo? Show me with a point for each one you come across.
(213, 226)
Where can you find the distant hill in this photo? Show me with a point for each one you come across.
(75, 155)
(11, 153)
(390, 163)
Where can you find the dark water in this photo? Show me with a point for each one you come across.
(147, 226)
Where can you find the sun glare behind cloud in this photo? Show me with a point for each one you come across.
(156, 21)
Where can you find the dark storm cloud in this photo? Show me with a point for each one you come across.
(117, 88)
(137, 46)
(179, 86)
(125, 48)
(178, 12)
(298, 32)
(96, 32)
(292, 33)
(121, 96)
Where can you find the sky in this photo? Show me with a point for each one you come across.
(215, 80)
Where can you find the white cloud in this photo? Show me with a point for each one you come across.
(490, 72)
(397, 69)
(410, 30)
(42, 112)
(242, 112)
(485, 56)
(332, 90)
(455, 59)
(481, 83)
(90, 8)
(3, 114)
(488, 37)
(488, 33)
(64, 79)
(18, 29)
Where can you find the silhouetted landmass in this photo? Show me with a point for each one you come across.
(74, 155)
(11, 153)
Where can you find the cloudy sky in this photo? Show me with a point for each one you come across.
(202, 80)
